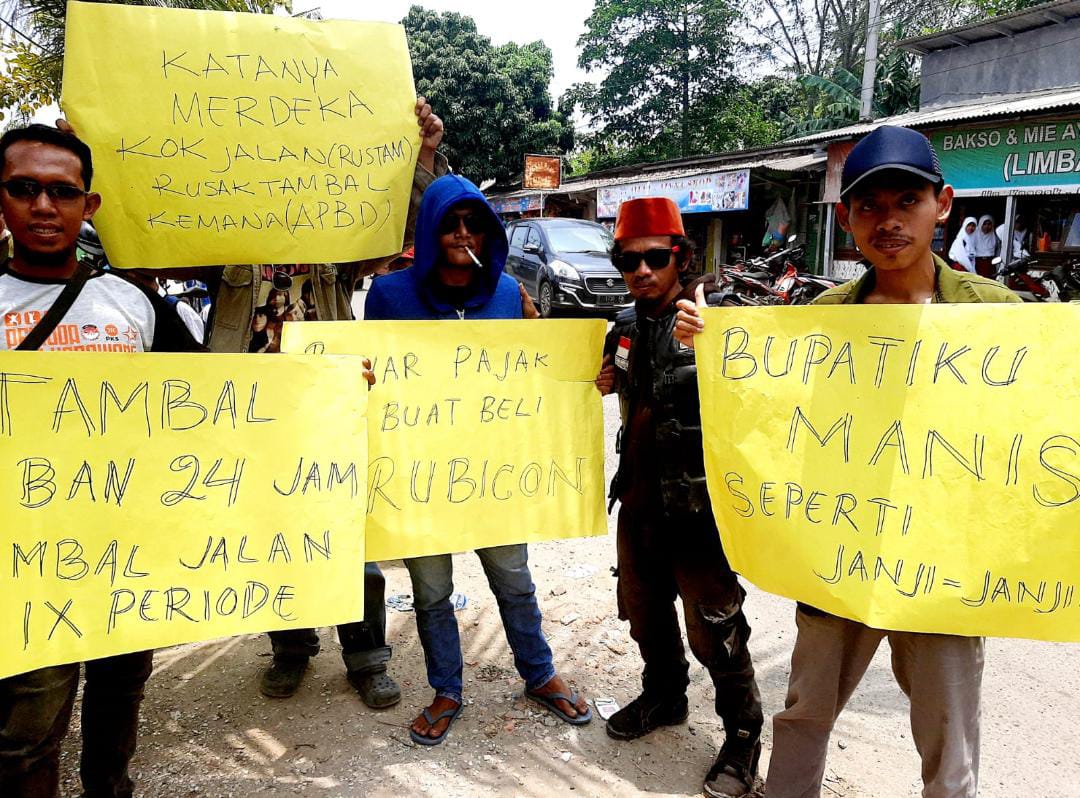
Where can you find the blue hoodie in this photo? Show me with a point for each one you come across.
(408, 294)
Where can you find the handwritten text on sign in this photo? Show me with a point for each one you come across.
(913, 468)
(482, 433)
(157, 499)
(224, 138)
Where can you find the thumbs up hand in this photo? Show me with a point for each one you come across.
(688, 321)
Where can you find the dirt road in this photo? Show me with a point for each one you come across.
(208, 732)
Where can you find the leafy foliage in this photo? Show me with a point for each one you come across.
(671, 79)
(35, 68)
(837, 98)
(494, 101)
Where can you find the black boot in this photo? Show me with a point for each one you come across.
(282, 679)
(734, 773)
(644, 714)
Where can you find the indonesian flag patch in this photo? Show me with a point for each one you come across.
(622, 354)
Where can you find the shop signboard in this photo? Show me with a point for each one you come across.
(1035, 157)
(542, 172)
(709, 193)
(530, 202)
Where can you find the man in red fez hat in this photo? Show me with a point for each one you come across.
(668, 544)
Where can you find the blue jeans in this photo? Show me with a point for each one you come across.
(507, 569)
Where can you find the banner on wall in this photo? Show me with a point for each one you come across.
(1039, 157)
(710, 193)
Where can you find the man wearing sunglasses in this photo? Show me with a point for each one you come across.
(45, 197)
(458, 273)
(668, 544)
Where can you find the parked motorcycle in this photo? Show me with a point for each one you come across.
(779, 278)
(1029, 284)
(1065, 277)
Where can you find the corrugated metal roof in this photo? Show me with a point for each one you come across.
(1006, 25)
(1004, 105)
(781, 162)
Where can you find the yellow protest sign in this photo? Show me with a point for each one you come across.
(911, 467)
(158, 499)
(224, 138)
(482, 433)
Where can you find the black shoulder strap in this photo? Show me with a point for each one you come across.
(44, 328)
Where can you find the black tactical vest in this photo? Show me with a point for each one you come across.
(662, 374)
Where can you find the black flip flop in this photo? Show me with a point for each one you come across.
(548, 703)
(421, 739)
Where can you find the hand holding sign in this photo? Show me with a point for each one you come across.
(605, 380)
(431, 133)
(688, 321)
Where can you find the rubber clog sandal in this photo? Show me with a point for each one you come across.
(421, 739)
(548, 702)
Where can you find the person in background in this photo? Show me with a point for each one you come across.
(239, 326)
(987, 246)
(962, 251)
(1019, 242)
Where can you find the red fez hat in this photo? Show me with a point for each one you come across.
(648, 216)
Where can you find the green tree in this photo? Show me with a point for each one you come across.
(495, 101)
(839, 96)
(35, 56)
(670, 72)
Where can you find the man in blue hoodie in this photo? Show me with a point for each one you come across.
(461, 250)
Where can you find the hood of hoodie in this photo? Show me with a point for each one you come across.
(438, 199)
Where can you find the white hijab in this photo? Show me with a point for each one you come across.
(986, 244)
(1018, 239)
(962, 250)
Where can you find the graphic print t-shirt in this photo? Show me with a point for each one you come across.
(286, 294)
(109, 315)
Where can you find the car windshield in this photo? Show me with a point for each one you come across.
(579, 238)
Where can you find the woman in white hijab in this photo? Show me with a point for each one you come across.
(986, 246)
(962, 251)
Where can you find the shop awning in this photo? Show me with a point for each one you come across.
(795, 161)
(1004, 105)
(1057, 12)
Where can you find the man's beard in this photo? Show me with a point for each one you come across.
(43, 260)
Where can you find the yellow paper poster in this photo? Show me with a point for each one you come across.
(155, 499)
(223, 138)
(482, 433)
(911, 467)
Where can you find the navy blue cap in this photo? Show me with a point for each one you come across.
(889, 148)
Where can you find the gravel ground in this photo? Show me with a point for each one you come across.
(207, 731)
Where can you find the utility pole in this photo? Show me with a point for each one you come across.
(873, 26)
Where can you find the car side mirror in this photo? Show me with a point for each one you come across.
(532, 249)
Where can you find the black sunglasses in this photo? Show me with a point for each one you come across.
(30, 189)
(654, 259)
(451, 221)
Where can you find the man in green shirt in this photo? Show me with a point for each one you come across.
(892, 197)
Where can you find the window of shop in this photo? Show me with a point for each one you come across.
(1051, 227)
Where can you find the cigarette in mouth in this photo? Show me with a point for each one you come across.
(475, 259)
